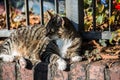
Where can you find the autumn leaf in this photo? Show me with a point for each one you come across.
(107, 56)
(111, 20)
(115, 36)
(100, 8)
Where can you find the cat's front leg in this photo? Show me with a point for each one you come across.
(74, 50)
(76, 58)
(61, 63)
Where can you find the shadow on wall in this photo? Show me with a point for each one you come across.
(40, 71)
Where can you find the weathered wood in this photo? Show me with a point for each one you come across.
(74, 11)
(5, 32)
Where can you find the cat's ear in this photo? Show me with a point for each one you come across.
(50, 14)
(60, 21)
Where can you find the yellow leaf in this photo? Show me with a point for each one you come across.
(118, 31)
(111, 20)
(100, 8)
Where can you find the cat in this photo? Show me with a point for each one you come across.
(67, 39)
(53, 43)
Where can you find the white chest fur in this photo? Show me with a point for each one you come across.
(63, 45)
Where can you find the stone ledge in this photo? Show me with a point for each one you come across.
(99, 70)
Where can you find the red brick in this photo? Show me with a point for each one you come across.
(54, 74)
(96, 71)
(39, 72)
(114, 72)
(61, 75)
(26, 74)
(78, 71)
(8, 71)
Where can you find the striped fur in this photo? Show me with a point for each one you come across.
(53, 43)
(29, 43)
(67, 38)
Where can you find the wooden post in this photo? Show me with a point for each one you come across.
(27, 12)
(7, 14)
(74, 11)
(41, 12)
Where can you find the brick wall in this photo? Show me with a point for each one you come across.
(10, 71)
(99, 70)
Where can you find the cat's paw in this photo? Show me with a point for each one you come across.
(22, 62)
(76, 58)
(8, 58)
(62, 65)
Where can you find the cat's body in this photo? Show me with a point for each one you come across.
(26, 42)
(53, 43)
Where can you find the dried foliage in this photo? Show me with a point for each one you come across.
(2, 20)
(18, 19)
(94, 51)
(104, 20)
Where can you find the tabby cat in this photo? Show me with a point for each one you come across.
(66, 37)
(50, 43)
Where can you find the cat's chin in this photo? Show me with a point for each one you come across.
(62, 65)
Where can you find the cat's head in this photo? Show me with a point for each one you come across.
(53, 26)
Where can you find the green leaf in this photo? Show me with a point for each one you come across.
(99, 19)
(89, 2)
(103, 42)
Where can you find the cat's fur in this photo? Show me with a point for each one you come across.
(27, 43)
(50, 43)
(66, 37)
